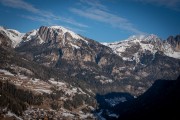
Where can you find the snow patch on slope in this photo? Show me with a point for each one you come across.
(173, 55)
(10, 114)
(14, 35)
(147, 43)
(5, 72)
(59, 84)
(75, 46)
(31, 35)
(65, 30)
(114, 101)
(60, 31)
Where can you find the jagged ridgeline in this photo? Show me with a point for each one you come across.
(66, 71)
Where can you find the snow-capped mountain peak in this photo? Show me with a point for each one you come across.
(65, 30)
(150, 37)
(14, 31)
(14, 35)
(30, 35)
(131, 48)
(45, 34)
(56, 35)
(133, 37)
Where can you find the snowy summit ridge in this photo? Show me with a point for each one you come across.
(54, 35)
(14, 35)
(65, 30)
(57, 32)
(141, 44)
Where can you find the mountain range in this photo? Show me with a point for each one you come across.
(63, 71)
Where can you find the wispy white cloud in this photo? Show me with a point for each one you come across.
(100, 13)
(20, 5)
(41, 15)
(77, 30)
(171, 4)
(36, 18)
(73, 22)
(94, 4)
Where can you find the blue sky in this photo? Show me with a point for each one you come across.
(101, 20)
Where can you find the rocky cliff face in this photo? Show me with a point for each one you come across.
(4, 40)
(60, 64)
(146, 56)
(126, 66)
(175, 42)
(132, 48)
(59, 44)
